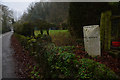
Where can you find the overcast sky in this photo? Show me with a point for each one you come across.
(18, 6)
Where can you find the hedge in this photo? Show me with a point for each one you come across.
(61, 62)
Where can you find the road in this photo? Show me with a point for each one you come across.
(8, 65)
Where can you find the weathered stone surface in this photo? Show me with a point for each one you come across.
(92, 40)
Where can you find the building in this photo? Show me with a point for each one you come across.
(1, 18)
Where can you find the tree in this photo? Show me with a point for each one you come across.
(26, 28)
(7, 17)
(58, 12)
(50, 12)
(42, 14)
(0, 18)
(82, 14)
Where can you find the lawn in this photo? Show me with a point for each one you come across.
(54, 32)
(60, 37)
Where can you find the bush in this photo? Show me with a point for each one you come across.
(35, 45)
(5, 29)
(64, 64)
(60, 62)
(18, 27)
(26, 29)
(95, 71)
(22, 39)
(114, 53)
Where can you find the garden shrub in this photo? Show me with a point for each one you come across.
(18, 27)
(65, 65)
(80, 42)
(26, 29)
(95, 71)
(114, 53)
(60, 62)
(22, 39)
(47, 38)
(35, 46)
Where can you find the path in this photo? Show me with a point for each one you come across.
(8, 66)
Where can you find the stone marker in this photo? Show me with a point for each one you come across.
(92, 40)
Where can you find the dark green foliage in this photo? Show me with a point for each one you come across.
(83, 14)
(115, 7)
(64, 26)
(64, 64)
(26, 29)
(43, 25)
(51, 12)
(35, 45)
(115, 28)
(95, 70)
(18, 27)
(47, 38)
(5, 29)
(114, 53)
(22, 39)
(60, 62)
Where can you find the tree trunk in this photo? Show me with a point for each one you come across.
(47, 32)
(41, 31)
(102, 26)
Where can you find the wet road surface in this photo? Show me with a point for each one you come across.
(8, 65)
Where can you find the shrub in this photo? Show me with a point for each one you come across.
(60, 62)
(64, 64)
(22, 39)
(35, 45)
(114, 53)
(18, 27)
(26, 29)
(95, 71)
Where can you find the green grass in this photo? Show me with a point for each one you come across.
(60, 37)
(57, 32)
(54, 32)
